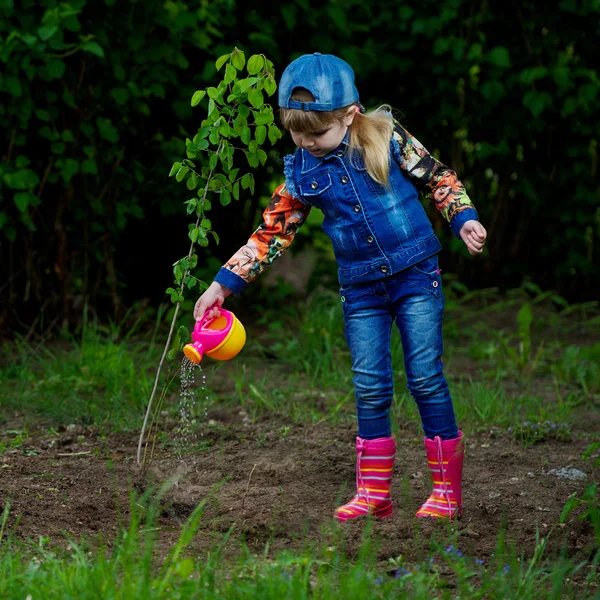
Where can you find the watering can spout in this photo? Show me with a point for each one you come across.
(193, 352)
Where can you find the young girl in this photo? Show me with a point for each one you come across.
(363, 170)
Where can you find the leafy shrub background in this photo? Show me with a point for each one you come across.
(94, 103)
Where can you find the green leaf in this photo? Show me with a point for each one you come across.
(236, 190)
(255, 98)
(67, 136)
(499, 56)
(194, 235)
(238, 59)
(244, 111)
(89, 167)
(536, 102)
(214, 234)
(176, 166)
(274, 133)
(212, 92)
(262, 156)
(255, 63)
(270, 86)
(192, 182)
(230, 73)
(246, 135)
(24, 199)
(107, 130)
(47, 31)
(288, 12)
(198, 95)
(244, 84)
(69, 170)
(225, 197)
(93, 48)
(260, 134)
(12, 85)
(224, 129)
(57, 147)
(221, 61)
(120, 95)
(183, 171)
(264, 117)
(252, 158)
(214, 159)
(211, 106)
(246, 180)
(55, 68)
(42, 115)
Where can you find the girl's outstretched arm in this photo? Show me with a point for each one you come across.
(439, 182)
(281, 220)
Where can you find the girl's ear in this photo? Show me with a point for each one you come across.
(352, 110)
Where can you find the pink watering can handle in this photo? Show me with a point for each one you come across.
(201, 324)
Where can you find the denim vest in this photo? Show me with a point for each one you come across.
(375, 231)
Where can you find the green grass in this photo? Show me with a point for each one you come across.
(135, 566)
(90, 379)
(530, 379)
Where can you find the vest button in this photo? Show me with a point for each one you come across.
(370, 239)
(357, 208)
(340, 153)
(344, 179)
(383, 269)
(314, 185)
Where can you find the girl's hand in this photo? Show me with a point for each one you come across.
(211, 300)
(473, 234)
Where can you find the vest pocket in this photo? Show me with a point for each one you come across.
(317, 191)
(316, 185)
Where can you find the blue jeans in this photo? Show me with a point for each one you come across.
(413, 298)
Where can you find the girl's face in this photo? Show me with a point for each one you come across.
(323, 142)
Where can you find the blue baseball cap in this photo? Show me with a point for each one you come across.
(328, 78)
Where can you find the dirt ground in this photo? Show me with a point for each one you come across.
(283, 489)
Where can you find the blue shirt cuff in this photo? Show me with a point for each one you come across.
(460, 218)
(230, 280)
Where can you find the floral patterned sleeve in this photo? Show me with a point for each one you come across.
(440, 183)
(281, 220)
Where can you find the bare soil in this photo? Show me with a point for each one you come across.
(282, 488)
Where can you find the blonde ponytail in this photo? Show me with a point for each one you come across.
(370, 135)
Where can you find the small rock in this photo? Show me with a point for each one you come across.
(567, 472)
(530, 474)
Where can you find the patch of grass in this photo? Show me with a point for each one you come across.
(132, 568)
(91, 379)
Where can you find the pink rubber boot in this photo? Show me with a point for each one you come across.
(445, 461)
(374, 466)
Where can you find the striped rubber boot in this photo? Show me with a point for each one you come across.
(374, 466)
(445, 461)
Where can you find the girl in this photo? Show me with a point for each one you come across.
(363, 170)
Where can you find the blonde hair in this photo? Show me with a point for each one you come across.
(370, 133)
